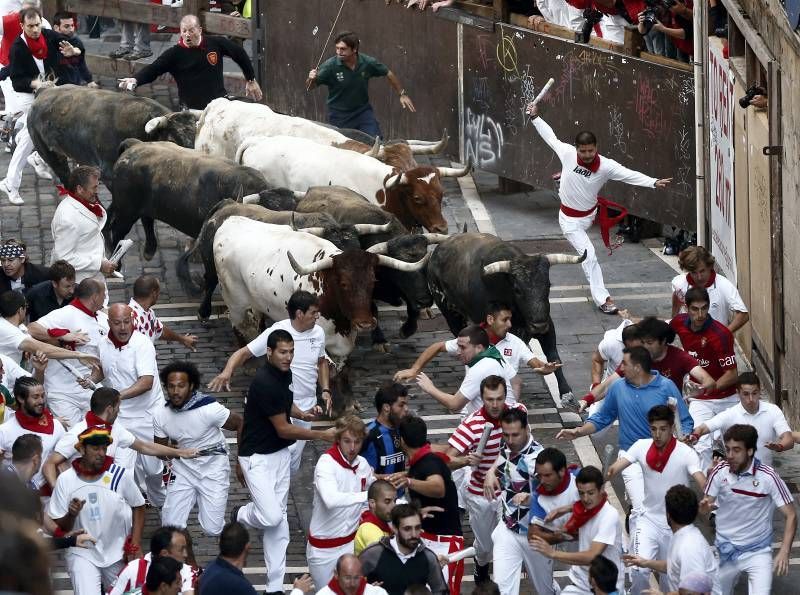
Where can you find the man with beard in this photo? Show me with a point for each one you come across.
(53, 294)
(9, 372)
(403, 560)
(374, 522)
(31, 417)
(381, 447)
(18, 272)
(102, 498)
(341, 480)
(192, 419)
(348, 579)
(746, 493)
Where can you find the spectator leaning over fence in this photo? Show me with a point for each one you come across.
(676, 23)
(196, 65)
(347, 77)
(71, 70)
(134, 42)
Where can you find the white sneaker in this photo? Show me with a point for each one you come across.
(13, 194)
(38, 164)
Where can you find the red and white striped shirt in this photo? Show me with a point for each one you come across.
(467, 436)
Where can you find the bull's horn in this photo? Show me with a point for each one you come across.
(379, 248)
(250, 199)
(298, 195)
(501, 266)
(566, 258)
(368, 228)
(401, 265)
(155, 124)
(195, 112)
(291, 222)
(430, 149)
(435, 238)
(400, 179)
(314, 231)
(375, 150)
(455, 172)
(314, 267)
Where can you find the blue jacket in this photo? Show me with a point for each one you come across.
(223, 577)
(630, 405)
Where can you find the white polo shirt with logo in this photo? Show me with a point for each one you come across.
(724, 297)
(768, 421)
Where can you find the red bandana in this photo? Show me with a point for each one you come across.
(712, 278)
(559, 489)
(581, 515)
(369, 517)
(79, 305)
(593, 166)
(95, 207)
(202, 45)
(334, 586)
(493, 339)
(657, 459)
(337, 456)
(426, 450)
(77, 464)
(95, 421)
(117, 343)
(38, 425)
(38, 47)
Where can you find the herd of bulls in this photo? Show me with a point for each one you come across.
(279, 203)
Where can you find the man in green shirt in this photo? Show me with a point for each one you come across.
(347, 77)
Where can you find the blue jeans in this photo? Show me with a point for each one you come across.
(362, 119)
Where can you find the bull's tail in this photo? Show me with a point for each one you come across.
(242, 148)
(127, 144)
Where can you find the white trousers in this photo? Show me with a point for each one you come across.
(322, 561)
(296, 449)
(267, 478)
(67, 408)
(88, 579)
(758, 567)
(574, 230)
(210, 494)
(20, 155)
(702, 410)
(15, 102)
(650, 541)
(511, 551)
(483, 518)
(147, 469)
(634, 488)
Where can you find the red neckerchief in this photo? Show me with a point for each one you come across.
(95, 207)
(657, 459)
(493, 339)
(43, 424)
(426, 450)
(38, 47)
(334, 586)
(495, 422)
(79, 305)
(559, 489)
(116, 342)
(712, 278)
(369, 517)
(581, 515)
(202, 45)
(593, 166)
(95, 421)
(337, 456)
(77, 464)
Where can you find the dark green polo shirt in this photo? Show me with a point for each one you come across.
(348, 89)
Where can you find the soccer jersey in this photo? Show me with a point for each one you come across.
(146, 321)
(712, 346)
(11, 430)
(515, 471)
(382, 450)
(106, 514)
(723, 295)
(768, 421)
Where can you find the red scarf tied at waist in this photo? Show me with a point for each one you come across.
(604, 219)
(95, 207)
(336, 588)
(38, 46)
(43, 424)
(369, 517)
(658, 459)
(582, 515)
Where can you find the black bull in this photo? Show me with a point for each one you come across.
(468, 271)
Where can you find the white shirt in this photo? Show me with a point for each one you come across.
(604, 527)
(309, 347)
(106, 515)
(549, 503)
(123, 440)
(690, 552)
(11, 371)
(768, 421)
(560, 13)
(340, 496)
(196, 428)
(580, 186)
(471, 385)
(682, 464)
(724, 297)
(11, 430)
(123, 368)
(611, 346)
(127, 578)
(78, 239)
(746, 502)
(146, 321)
(513, 349)
(368, 590)
(11, 337)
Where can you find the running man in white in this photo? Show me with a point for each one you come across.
(309, 364)
(665, 462)
(583, 173)
(746, 493)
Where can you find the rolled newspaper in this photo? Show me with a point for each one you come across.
(74, 371)
(672, 402)
(608, 457)
(122, 247)
(487, 431)
(544, 91)
(460, 555)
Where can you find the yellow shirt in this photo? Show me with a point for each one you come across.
(367, 534)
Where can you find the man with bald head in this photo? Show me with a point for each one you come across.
(349, 579)
(196, 65)
(128, 361)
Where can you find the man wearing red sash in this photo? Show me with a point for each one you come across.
(348, 579)
(341, 479)
(597, 526)
(583, 174)
(665, 462)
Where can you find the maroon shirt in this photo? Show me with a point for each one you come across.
(712, 345)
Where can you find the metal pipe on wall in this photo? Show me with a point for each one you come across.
(700, 50)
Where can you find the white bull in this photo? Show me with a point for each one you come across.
(260, 265)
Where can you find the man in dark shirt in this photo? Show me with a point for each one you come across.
(17, 271)
(264, 458)
(71, 70)
(46, 296)
(381, 447)
(224, 575)
(429, 483)
(196, 65)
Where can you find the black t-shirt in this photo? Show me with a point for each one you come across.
(440, 523)
(269, 395)
(42, 300)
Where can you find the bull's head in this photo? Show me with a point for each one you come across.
(529, 277)
(344, 237)
(349, 279)
(177, 127)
